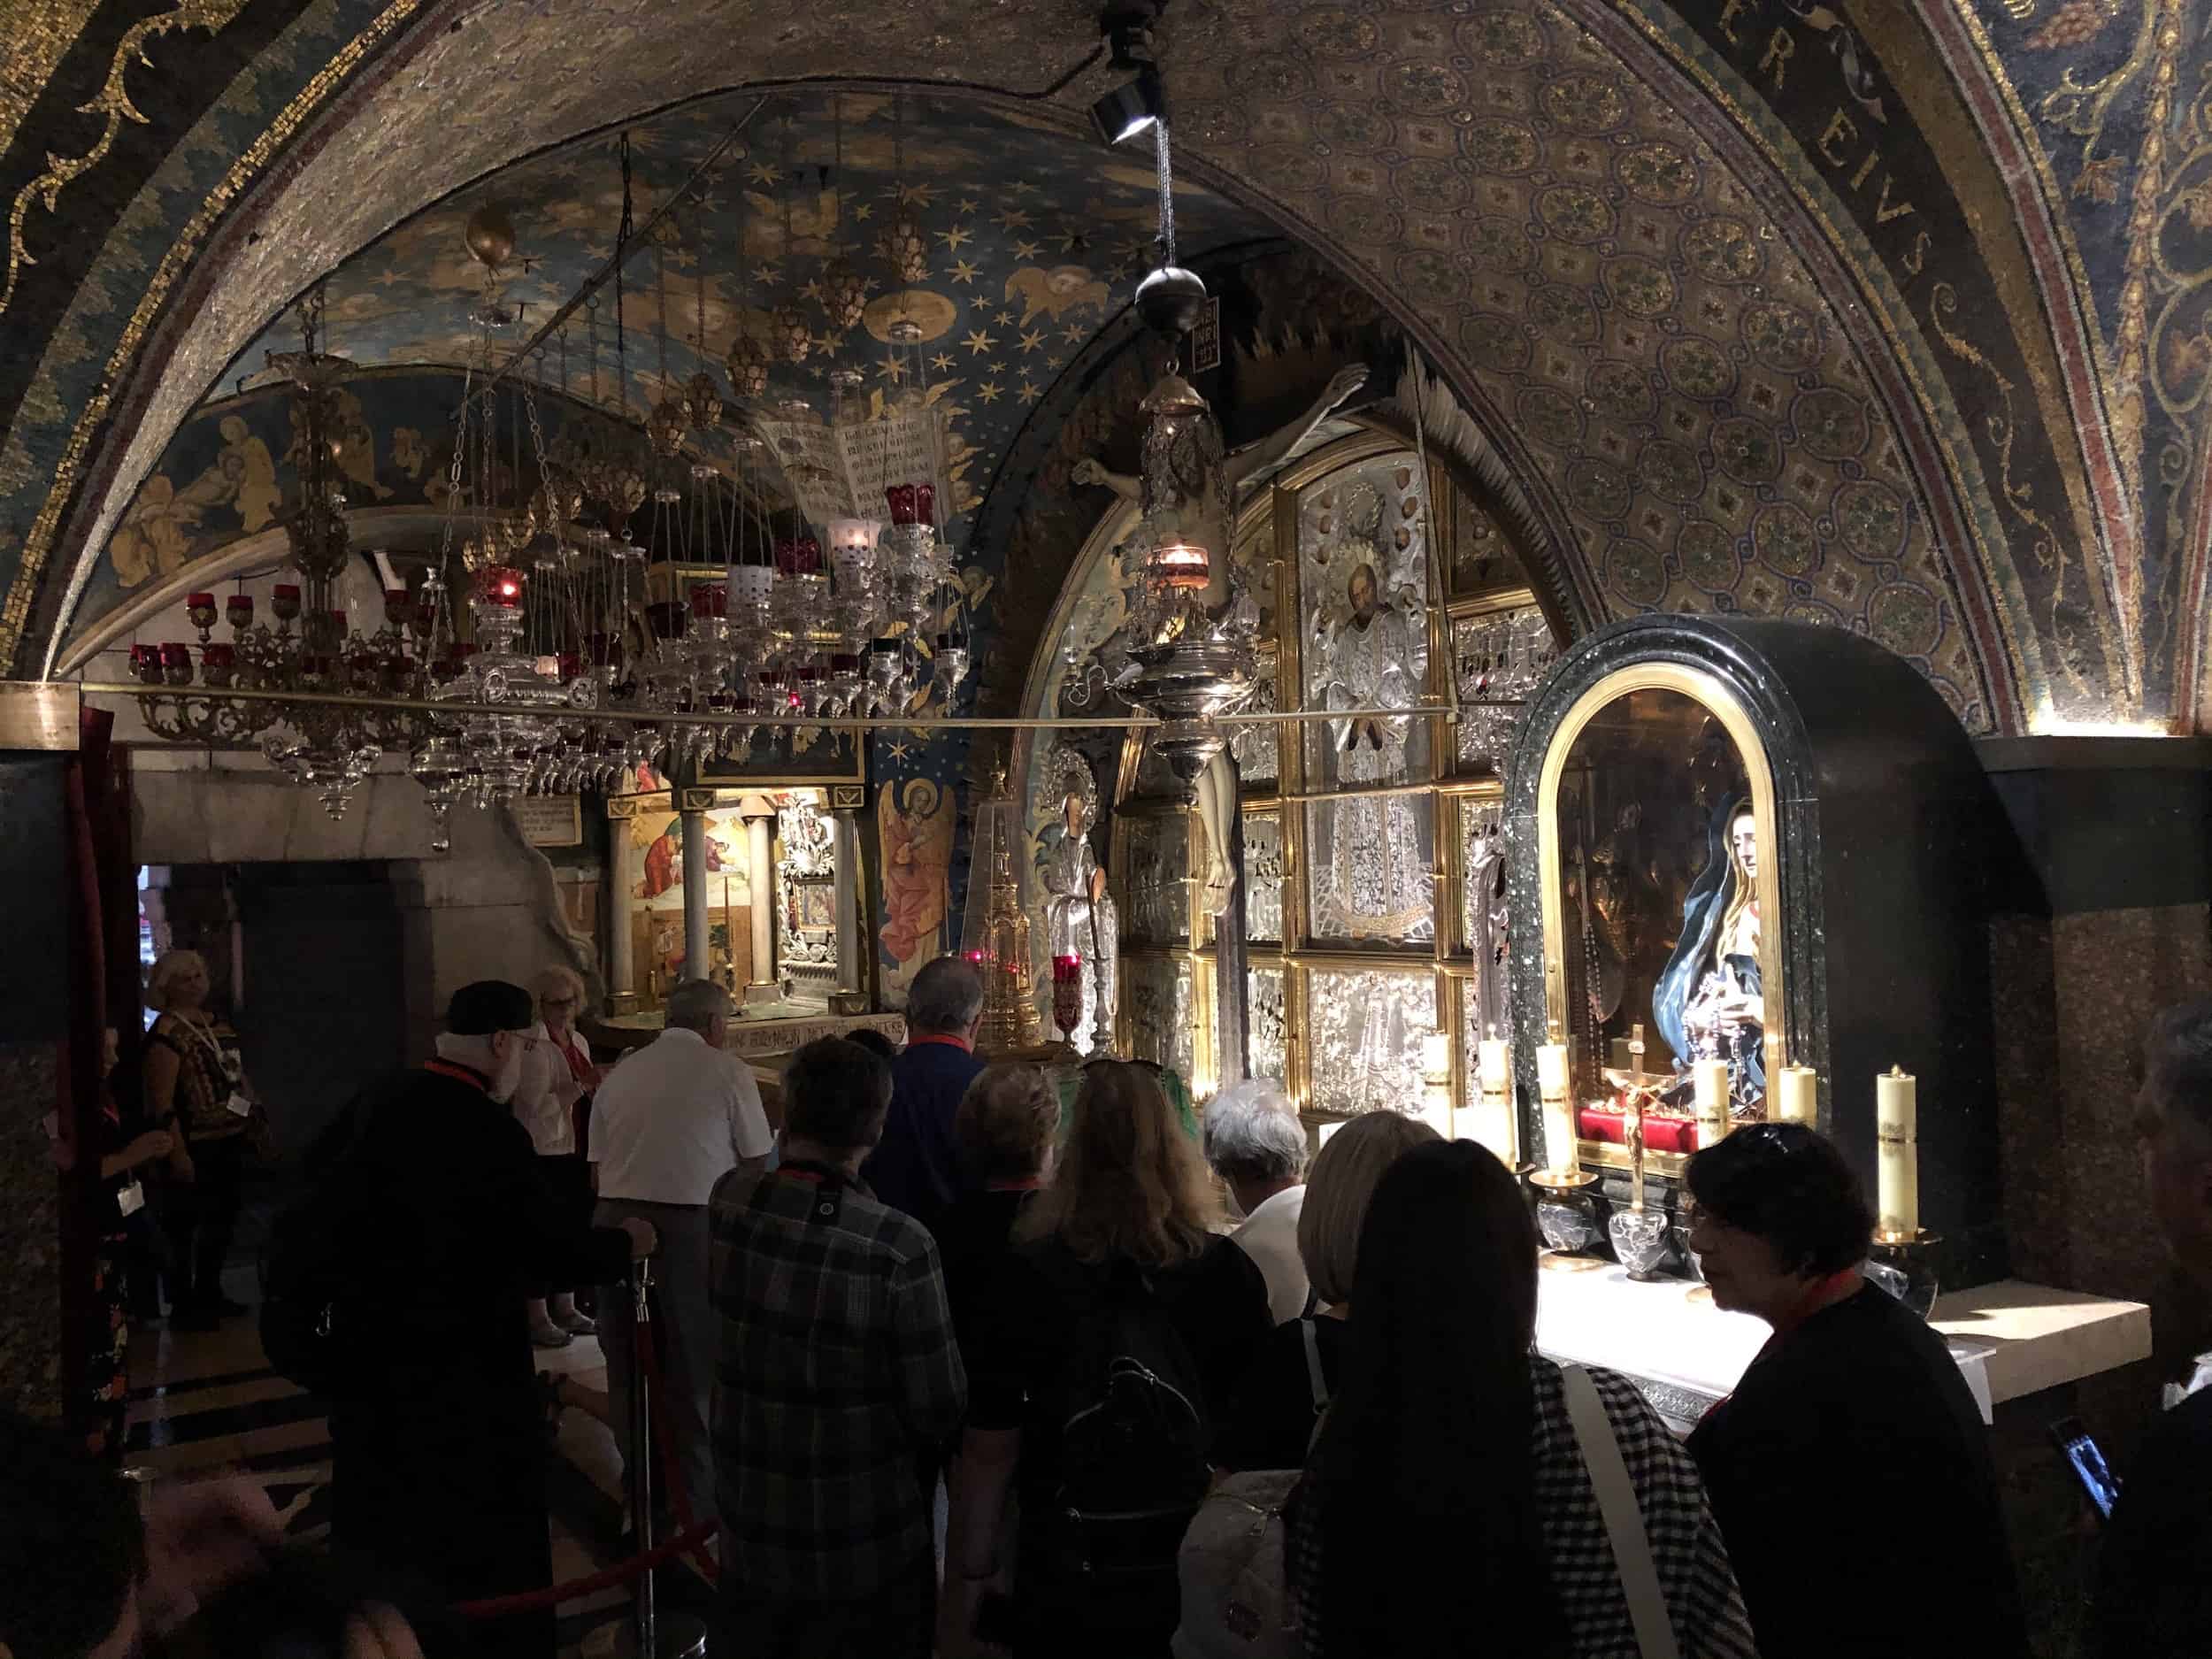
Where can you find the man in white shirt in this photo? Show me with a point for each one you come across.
(1257, 1146)
(670, 1121)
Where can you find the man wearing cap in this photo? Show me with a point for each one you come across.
(438, 1467)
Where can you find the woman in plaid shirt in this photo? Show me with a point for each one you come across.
(1447, 1509)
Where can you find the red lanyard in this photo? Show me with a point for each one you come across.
(475, 1079)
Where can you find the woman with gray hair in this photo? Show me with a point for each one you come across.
(557, 1077)
(1257, 1146)
(1271, 1420)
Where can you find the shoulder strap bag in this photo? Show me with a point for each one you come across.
(1624, 1520)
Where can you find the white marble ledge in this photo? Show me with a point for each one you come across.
(2039, 1337)
(2010, 1339)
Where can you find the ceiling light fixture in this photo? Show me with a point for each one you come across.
(1136, 107)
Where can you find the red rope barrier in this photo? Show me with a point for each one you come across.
(690, 1539)
(606, 1578)
(648, 1361)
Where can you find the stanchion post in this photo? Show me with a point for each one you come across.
(650, 1638)
(641, 1452)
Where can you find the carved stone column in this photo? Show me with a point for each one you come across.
(698, 938)
(622, 879)
(759, 814)
(851, 995)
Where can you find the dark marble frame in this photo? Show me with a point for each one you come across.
(1885, 832)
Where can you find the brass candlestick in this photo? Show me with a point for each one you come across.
(1639, 1234)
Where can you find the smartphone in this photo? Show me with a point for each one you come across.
(2081, 1454)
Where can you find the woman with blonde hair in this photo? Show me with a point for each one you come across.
(1101, 1363)
(558, 1076)
(195, 1086)
(1270, 1423)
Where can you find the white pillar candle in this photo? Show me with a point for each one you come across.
(1798, 1094)
(1436, 1082)
(1897, 1157)
(1709, 1079)
(1562, 1153)
(1489, 1119)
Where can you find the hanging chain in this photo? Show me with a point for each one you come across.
(1424, 523)
(591, 310)
(660, 325)
(622, 235)
(1164, 170)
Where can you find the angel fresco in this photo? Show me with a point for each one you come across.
(1048, 293)
(915, 842)
(256, 473)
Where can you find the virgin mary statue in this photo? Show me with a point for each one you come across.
(1711, 1003)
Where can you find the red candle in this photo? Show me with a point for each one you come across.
(238, 611)
(710, 599)
(284, 599)
(1067, 970)
(216, 655)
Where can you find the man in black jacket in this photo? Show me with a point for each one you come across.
(439, 1449)
(2153, 1597)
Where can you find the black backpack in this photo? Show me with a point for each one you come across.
(1133, 1446)
(310, 1254)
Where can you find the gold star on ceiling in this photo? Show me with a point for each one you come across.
(953, 238)
(967, 205)
(893, 371)
(1028, 391)
(1053, 360)
(914, 195)
(1072, 333)
(1033, 339)
(762, 173)
(1021, 187)
(899, 749)
(979, 343)
(963, 272)
(864, 212)
(998, 368)
(1026, 250)
(1006, 319)
(1013, 218)
(812, 290)
(765, 272)
(988, 391)
(941, 361)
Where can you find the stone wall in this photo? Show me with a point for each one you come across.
(384, 912)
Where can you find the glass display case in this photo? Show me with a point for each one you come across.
(1758, 853)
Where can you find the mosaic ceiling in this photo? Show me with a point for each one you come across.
(1991, 209)
(1032, 240)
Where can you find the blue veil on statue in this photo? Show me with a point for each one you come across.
(1722, 889)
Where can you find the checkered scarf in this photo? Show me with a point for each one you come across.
(1702, 1600)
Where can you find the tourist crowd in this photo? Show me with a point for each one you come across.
(1310, 1420)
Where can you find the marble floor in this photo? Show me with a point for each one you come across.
(206, 1403)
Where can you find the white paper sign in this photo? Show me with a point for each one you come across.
(549, 820)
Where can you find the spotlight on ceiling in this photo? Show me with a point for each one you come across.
(1128, 111)
(1132, 108)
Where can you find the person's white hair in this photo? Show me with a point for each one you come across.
(169, 967)
(1252, 1133)
(553, 982)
